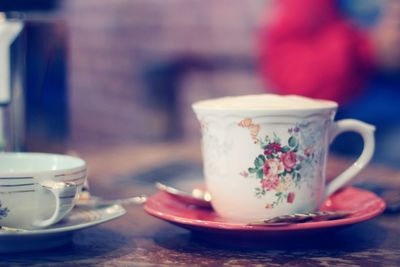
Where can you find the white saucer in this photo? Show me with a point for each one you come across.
(60, 233)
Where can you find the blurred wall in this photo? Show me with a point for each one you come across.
(136, 65)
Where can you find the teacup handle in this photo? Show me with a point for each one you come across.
(64, 194)
(367, 133)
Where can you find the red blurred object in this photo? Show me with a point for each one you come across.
(308, 48)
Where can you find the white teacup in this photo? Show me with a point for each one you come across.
(38, 189)
(265, 155)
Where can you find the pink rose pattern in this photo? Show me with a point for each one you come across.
(290, 197)
(278, 167)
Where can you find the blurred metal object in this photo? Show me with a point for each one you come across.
(12, 103)
(34, 119)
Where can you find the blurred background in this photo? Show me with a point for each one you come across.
(100, 73)
(127, 71)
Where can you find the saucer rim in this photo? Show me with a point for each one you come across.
(374, 209)
(120, 211)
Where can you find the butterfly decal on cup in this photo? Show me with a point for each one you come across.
(253, 128)
(3, 211)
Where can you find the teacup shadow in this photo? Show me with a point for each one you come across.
(328, 243)
(87, 246)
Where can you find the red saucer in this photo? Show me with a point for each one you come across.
(366, 205)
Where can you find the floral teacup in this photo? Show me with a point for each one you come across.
(265, 155)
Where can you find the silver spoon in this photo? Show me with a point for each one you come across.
(94, 201)
(86, 199)
(197, 198)
(302, 218)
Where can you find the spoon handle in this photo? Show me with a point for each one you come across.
(197, 197)
(302, 218)
(96, 201)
